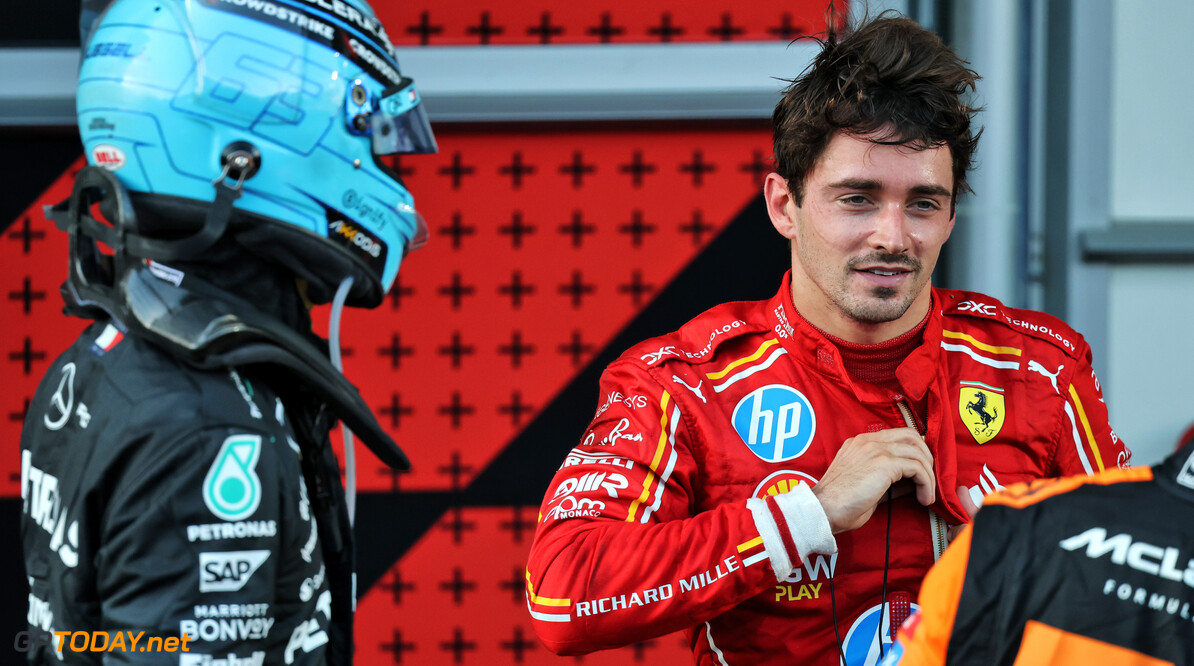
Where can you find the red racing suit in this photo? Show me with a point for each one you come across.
(688, 503)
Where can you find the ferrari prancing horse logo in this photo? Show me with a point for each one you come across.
(982, 409)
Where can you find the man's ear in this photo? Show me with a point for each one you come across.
(778, 196)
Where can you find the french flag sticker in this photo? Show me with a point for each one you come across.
(109, 338)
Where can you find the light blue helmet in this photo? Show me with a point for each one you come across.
(291, 102)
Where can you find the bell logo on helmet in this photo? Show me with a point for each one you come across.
(108, 156)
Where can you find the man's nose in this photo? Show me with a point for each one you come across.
(890, 232)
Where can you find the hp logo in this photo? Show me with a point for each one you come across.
(776, 422)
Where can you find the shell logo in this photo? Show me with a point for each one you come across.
(781, 482)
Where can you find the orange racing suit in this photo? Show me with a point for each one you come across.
(1074, 571)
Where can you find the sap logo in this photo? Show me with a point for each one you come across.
(228, 571)
(612, 482)
(870, 636)
(776, 422)
(975, 306)
(108, 156)
(1141, 556)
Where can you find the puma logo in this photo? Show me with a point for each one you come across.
(1037, 367)
(695, 389)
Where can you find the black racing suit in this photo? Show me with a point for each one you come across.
(170, 500)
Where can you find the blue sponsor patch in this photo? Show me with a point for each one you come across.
(867, 642)
(776, 422)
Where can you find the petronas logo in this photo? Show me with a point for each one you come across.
(231, 489)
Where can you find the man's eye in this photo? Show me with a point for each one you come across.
(926, 205)
(854, 200)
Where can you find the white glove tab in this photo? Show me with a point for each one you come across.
(799, 514)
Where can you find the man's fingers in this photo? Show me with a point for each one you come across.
(967, 503)
(922, 475)
(901, 488)
(916, 453)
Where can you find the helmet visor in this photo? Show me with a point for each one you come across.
(399, 124)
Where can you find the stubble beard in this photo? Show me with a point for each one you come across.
(881, 305)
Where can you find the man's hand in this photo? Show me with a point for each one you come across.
(865, 467)
(970, 507)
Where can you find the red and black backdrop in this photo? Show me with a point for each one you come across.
(553, 248)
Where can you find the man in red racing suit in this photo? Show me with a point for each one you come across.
(777, 477)
(685, 505)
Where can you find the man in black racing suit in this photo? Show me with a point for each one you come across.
(177, 476)
(169, 500)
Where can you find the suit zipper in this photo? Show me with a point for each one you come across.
(937, 526)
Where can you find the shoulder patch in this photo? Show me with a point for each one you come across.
(1020, 495)
(1034, 324)
(697, 341)
(107, 340)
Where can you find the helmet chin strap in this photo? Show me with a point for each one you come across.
(350, 469)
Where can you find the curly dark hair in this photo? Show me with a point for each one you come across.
(889, 79)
